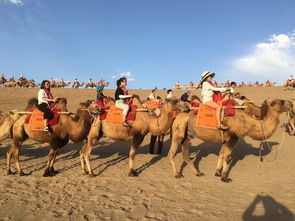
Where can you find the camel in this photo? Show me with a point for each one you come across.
(31, 83)
(22, 82)
(289, 83)
(240, 125)
(6, 123)
(75, 129)
(62, 84)
(77, 84)
(143, 124)
(2, 81)
(10, 83)
(90, 84)
(179, 87)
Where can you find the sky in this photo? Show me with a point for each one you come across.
(154, 43)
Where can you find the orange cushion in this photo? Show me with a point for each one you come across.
(206, 117)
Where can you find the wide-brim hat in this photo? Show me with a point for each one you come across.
(206, 74)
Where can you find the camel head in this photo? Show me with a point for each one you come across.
(61, 103)
(13, 115)
(32, 103)
(276, 105)
(91, 106)
(174, 104)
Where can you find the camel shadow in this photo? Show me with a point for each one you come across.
(120, 149)
(273, 210)
(242, 150)
(102, 149)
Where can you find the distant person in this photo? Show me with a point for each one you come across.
(208, 91)
(152, 95)
(291, 78)
(121, 95)
(169, 94)
(45, 99)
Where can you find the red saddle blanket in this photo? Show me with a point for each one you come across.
(37, 117)
(115, 114)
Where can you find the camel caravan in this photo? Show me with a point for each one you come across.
(127, 118)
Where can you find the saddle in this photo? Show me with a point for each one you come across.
(115, 114)
(206, 116)
(36, 119)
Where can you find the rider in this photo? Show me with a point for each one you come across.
(152, 95)
(120, 96)
(211, 95)
(45, 99)
(99, 95)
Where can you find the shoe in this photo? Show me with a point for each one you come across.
(46, 129)
(125, 124)
(222, 127)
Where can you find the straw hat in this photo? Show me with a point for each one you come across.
(206, 74)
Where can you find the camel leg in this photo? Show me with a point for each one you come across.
(82, 159)
(185, 154)
(224, 159)
(14, 150)
(220, 161)
(136, 141)
(152, 143)
(8, 159)
(87, 153)
(51, 166)
(51, 155)
(172, 154)
(160, 143)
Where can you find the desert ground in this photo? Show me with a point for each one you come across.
(261, 190)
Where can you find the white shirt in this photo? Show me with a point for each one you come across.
(152, 96)
(41, 94)
(208, 91)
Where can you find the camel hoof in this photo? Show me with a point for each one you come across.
(92, 175)
(200, 174)
(178, 176)
(226, 180)
(53, 172)
(218, 174)
(47, 173)
(23, 174)
(132, 173)
(9, 172)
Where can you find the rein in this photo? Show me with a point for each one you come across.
(270, 148)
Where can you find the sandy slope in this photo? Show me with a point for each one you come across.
(155, 194)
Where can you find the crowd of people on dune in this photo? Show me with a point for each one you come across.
(192, 85)
(23, 82)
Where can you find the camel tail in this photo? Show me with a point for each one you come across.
(32, 103)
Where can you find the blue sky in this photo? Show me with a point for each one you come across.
(152, 42)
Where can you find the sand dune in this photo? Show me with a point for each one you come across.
(155, 194)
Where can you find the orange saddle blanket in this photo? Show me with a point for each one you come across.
(36, 119)
(115, 114)
(206, 116)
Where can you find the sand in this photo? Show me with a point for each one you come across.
(265, 193)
